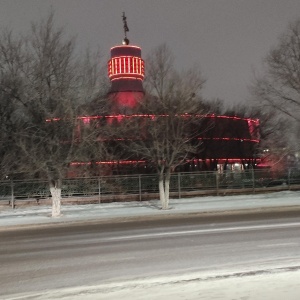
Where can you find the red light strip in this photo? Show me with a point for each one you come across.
(200, 138)
(130, 66)
(126, 77)
(230, 139)
(126, 46)
(152, 116)
(111, 162)
(232, 117)
(140, 66)
(133, 65)
(128, 162)
(53, 119)
(223, 159)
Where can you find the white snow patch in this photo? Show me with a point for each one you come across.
(275, 285)
(42, 214)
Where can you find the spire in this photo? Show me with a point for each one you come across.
(126, 29)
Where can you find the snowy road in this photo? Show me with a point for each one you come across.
(55, 258)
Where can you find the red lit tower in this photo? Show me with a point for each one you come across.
(126, 72)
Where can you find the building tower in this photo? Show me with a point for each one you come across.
(126, 73)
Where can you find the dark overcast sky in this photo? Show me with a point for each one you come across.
(227, 38)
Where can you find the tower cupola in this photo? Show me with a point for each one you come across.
(126, 71)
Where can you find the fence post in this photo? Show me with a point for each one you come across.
(253, 180)
(99, 190)
(140, 187)
(179, 185)
(12, 194)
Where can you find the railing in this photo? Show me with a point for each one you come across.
(142, 185)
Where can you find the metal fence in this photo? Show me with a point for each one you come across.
(141, 185)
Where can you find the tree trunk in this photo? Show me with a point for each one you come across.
(164, 189)
(55, 190)
(167, 188)
(161, 190)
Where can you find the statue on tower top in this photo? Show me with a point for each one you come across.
(126, 29)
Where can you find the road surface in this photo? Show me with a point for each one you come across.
(34, 260)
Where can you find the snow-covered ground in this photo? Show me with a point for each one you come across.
(30, 215)
(273, 284)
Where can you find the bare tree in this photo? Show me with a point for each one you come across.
(165, 132)
(275, 144)
(11, 58)
(8, 151)
(279, 88)
(48, 84)
(277, 94)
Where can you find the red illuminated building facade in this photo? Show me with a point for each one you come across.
(230, 142)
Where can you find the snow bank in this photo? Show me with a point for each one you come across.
(275, 285)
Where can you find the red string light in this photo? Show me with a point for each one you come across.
(130, 162)
(126, 67)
